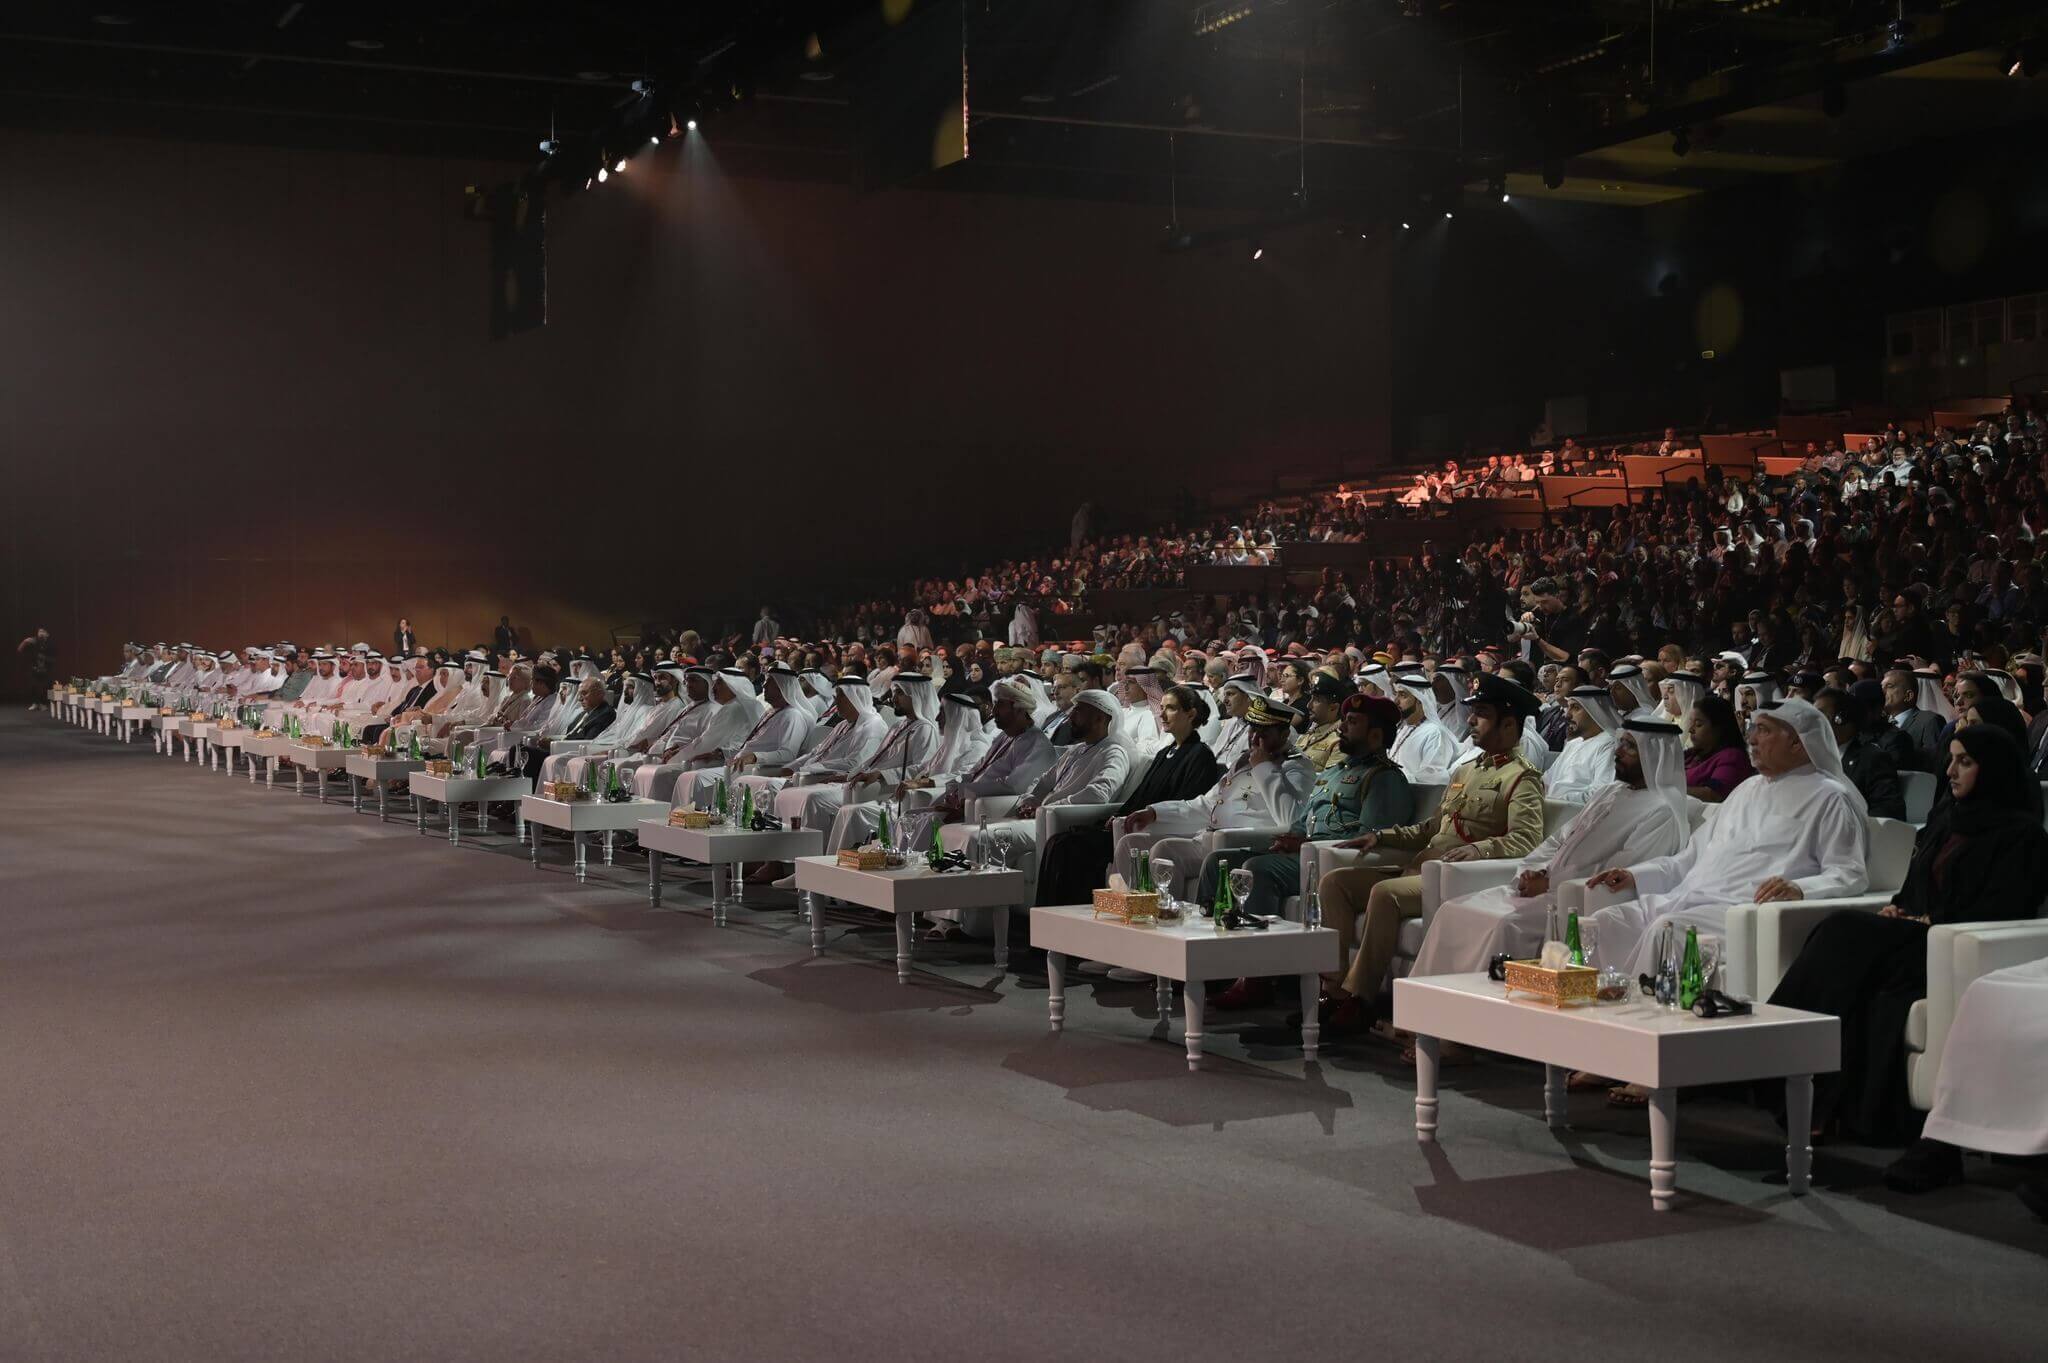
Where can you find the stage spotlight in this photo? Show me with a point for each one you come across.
(2023, 61)
(620, 168)
(1898, 33)
(1681, 141)
(691, 125)
(1447, 214)
(1258, 250)
(643, 87)
(603, 175)
(654, 141)
(1404, 227)
(549, 146)
(1504, 198)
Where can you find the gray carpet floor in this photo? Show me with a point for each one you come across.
(278, 1082)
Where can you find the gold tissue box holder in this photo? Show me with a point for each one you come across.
(1564, 987)
(1128, 906)
(691, 818)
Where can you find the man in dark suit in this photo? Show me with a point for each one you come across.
(1869, 767)
(403, 640)
(421, 676)
(504, 638)
(597, 716)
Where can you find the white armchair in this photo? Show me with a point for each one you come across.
(1320, 857)
(1957, 954)
(1760, 940)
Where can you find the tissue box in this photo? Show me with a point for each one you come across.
(1574, 984)
(440, 766)
(863, 858)
(1129, 906)
(567, 792)
(691, 818)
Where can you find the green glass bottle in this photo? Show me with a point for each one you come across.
(1571, 939)
(1691, 979)
(938, 851)
(1221, 909)
(746, 807)
(718, 797)
(477, 754)
(882, 828)
(415, 750)
(1144, 885)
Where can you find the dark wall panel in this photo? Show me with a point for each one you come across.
(252, 391)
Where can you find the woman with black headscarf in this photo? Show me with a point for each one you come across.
(1983, 856)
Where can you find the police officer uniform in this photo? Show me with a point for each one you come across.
(1494, 806)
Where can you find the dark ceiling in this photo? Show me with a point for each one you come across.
(1241, 104)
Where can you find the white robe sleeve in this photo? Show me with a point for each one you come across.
(1840, 840)
(1282, 787)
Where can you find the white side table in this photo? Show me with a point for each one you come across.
(722, 848)
(908, 892)
(319, 761)
(267, 749)
(369, 766)
(1191, 951)
(1636, 1042)
(580, 817)
(455, 791)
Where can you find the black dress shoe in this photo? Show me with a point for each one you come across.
(1925, 1166)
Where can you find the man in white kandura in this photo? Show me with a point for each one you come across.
(964, 737)
(857, 731)
(1586, 765)
(1799, 831)
(1423, 748)
(1089, 771)
(1639, 817)
(655, 773)
(1017, 755)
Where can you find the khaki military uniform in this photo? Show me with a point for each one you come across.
(1494, 805)
(1322, 746)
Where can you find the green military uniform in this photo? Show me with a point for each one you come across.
(1355, 794)
(1322, 745)
(1494, 805)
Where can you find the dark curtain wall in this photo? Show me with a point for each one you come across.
(249, 392)
(1510, 304)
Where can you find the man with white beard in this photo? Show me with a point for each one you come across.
(1016, 757)
(1639, 817)
(1423, 748)
(1799, 832)
(1587, 763)
(543, 708)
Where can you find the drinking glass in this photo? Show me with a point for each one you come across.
(1240, 887)
(1162, 881)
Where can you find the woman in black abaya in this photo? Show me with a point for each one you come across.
(1982, 856)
